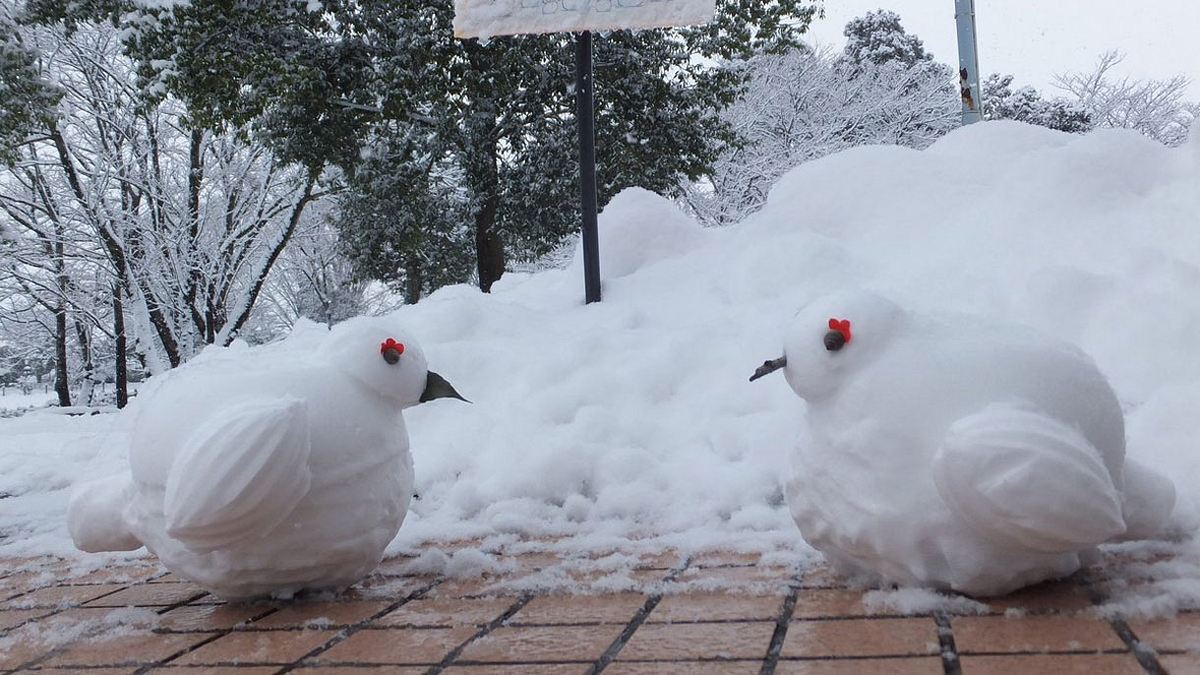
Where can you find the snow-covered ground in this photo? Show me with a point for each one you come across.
(634, 418)
(14, 399)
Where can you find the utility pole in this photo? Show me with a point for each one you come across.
(968, 62)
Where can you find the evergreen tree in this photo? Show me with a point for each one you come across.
(330, 82)
(26, 99)
(1002, 102)
(878, 38)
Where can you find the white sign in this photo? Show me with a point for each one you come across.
(485, 18)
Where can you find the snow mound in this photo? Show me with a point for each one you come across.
(639, 228)
(634, 417)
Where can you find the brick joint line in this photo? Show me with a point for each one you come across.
(634, 624)
(1146, 657)
(147, 667)
(492, 625)
(781, 628)
(58, 650)
(351, 630)
(951, 665)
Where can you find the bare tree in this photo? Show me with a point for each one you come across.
(807, 104)
(122, 217)
(1156, 108)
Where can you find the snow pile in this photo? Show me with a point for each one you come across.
(634, 417)
(919, 601)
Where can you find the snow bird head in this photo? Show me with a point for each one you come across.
(830, 337)
(373, 351)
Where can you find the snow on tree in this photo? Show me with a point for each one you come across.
(26, 98)
(878, 38)
(324, 85)
(1025, 104)
(311, 280)
(1156, 108)
(806, 103)
(121, 216)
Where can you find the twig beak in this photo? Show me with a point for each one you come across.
(769, 367)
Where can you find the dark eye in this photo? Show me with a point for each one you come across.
(834, 340)
(391, 350)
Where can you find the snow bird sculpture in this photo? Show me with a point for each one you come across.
(951, 452)
(269, 475)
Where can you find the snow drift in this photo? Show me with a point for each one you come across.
(634, 417)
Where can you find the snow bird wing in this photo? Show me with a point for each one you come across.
(1028, 480)
(239, 476)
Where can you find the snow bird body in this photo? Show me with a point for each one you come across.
(268, 477)
(956, 453)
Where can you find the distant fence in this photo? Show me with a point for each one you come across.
(47, 388)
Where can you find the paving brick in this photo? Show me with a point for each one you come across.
(15, 617)
(1181, 664)
(715, 607)
(822, 576)
(59, 596)
(321, 614)
(756, 580)
(522, 669)
(734, 640)
(209, 618)
(616, 608)
(749, 667)
(724, 559)
(149, 595)
(1051, 633)
(833, 602)
(124, 574)
(397, 646)
(861, 637)
(1054, 596)
(466, 588)
(208, 670)
(364, 669)
(515, 644)
(661, 561)
(446, 612)
(1179, 633)
(255, 647)
(125, 670)
(1052, 664)
(125, 650)
(377, 588)
(97, 621)
(921, 665)
(23, 582)
(15, 651)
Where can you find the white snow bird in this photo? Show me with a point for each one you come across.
(269, 475)
(955, 453)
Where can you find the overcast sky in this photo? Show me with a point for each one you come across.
(1034, 39)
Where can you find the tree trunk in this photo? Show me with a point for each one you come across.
(412, 281)
(489, 251)
(61, 381)
(489, 248)
(87, 383)
(481, 157)
(122, 364)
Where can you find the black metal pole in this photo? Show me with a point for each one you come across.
(586, 116)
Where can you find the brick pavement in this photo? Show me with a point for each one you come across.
(665, 619)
